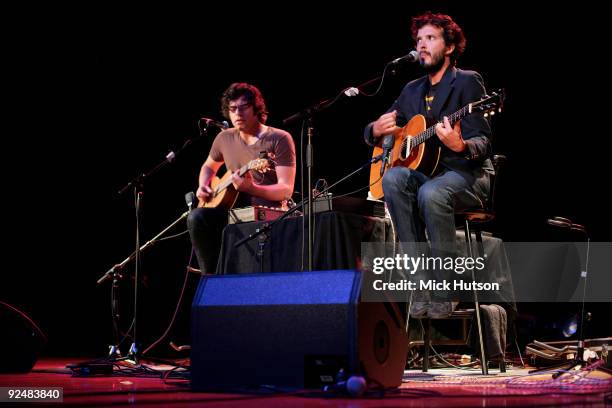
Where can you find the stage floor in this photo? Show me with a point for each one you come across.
(438, 387)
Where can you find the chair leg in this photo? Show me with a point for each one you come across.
(481, 249)
(483, 358)
(502, 364)
(426, 343)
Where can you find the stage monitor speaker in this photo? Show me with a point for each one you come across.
(21, 340)
(294, 330)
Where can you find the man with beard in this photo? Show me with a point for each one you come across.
(418, 202)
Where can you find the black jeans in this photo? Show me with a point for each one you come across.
(205, 229)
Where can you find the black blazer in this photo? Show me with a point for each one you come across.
(456, 89)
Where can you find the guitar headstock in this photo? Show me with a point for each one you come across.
(261, 165)
(490, 104)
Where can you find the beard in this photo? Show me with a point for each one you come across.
(437, 61)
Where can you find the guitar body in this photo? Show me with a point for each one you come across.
(224, 198)
(424, 157)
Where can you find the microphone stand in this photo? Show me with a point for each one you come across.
(578, 360)
(116, 269)
(137, 185)
(306, 201)
(307, 116)
(309, 164)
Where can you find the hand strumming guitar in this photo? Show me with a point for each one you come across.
(204, 193)
(385, 125)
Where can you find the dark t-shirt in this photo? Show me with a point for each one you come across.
(429, 99)
(230, 148)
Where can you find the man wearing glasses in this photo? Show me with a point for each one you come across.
(245, 107)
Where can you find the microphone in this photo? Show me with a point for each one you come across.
(222, 125)
(191, 200)
(387, 146)
(413, 56)
(355, 386)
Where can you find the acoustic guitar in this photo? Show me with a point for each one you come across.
(414, 147)
(224, 194)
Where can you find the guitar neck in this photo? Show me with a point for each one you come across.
(431, 131)
(225, 184)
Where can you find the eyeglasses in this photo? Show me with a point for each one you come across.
(241, 108)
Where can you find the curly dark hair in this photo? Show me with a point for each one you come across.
(453, 34)
(250, 93)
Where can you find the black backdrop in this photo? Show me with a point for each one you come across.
(100, 93)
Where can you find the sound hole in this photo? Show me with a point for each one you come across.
(403, 148)
(381, 342)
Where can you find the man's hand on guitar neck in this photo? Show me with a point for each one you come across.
(385, 124)
(451, 136)
(243, 184)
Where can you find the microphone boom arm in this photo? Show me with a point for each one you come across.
(149, 243)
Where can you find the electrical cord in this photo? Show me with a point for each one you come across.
(176, 309)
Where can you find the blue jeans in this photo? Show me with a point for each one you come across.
(417, 203)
